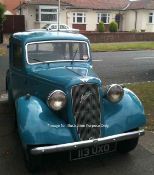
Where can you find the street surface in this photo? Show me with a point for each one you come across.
(112, 67)
(125, 66)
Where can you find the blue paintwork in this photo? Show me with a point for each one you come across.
(26, 37)
(36, 120)
(123, 116)
(37, 123)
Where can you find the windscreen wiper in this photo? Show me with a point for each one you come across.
(74, 56)
(37, 60)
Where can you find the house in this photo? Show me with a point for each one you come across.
(81, 14)
(86, 14)
(10, 6)
(139, 16)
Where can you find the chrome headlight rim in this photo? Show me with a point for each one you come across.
(110, 92)
(50, 96)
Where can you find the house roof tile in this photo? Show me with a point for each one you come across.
(89, 4)
(142, 4)
(44, 2)
(99, 4)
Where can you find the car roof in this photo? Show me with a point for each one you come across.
(35, 36)
(57, 24)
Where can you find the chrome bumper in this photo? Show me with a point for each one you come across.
(86, 143)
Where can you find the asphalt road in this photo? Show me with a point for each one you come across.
(125, 66)
(112, 67)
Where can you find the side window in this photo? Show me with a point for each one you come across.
(63, 27)
(17, 55)
(53, 27)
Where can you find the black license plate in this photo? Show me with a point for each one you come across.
(92, 151)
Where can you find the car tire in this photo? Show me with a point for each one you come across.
(127, 145)
(10, 96)
(33, 163)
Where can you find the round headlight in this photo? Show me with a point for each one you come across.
(115, 93)
(56, 100)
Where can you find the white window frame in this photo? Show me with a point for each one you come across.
(151, 14)
(76, 16)
(26, 48)
(107, 15)
(48, 7)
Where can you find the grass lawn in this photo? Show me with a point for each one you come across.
(145, 91)
(122, 46)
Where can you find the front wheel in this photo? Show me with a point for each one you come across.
(127, 145)
(32, 162)
(9, 91)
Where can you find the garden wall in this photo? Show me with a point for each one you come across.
(97, 37)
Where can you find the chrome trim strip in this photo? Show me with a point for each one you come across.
(86, 143)
(57, 61)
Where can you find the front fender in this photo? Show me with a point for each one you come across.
(123, 116)
(38, 125)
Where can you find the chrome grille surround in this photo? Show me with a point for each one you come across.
(86, 110)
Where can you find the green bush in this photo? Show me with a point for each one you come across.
(101, 27)
(113, 27)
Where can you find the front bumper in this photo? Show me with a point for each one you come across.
(86, 143)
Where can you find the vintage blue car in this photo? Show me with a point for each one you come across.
(60, 102)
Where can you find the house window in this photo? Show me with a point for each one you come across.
(151, 18)
(79, 17)
(37, 14)
(105, 17)
(47, 14)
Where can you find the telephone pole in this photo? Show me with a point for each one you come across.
(58, 15)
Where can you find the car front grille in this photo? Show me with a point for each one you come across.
(86, 110)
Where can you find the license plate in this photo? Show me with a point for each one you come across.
(92, 151)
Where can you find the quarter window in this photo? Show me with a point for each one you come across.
(105, 17)
(79, 17)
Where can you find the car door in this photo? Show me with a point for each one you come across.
(17, 71)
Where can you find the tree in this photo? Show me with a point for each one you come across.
(113, 26)
(2, 10)
(101, 27)
(2, 18)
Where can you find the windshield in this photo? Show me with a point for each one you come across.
(56, 51)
